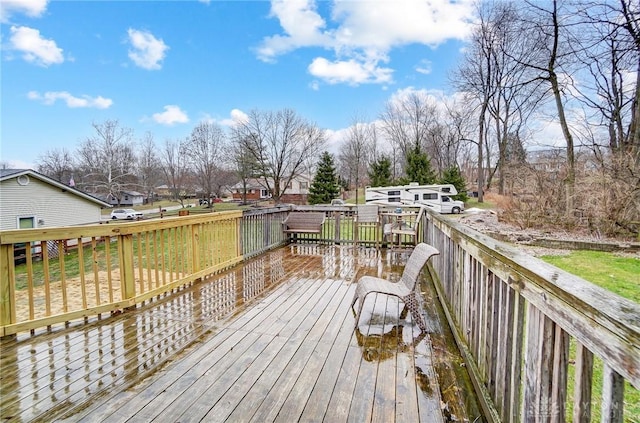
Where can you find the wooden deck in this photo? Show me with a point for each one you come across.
(270, 340)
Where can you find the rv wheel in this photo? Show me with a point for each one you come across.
(456, 210)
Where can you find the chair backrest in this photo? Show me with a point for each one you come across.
(367, 213)
(418, 258)
(416, 224)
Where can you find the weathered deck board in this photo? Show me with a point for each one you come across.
(272, 340)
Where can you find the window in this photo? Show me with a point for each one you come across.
(430, 196)
(264, 193)
(416, 197)
(304, 185)
(394, 196)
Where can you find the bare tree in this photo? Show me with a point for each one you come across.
(280, 143)
(204, 149)
(355, 154)
(107, 160)
(407, 121)
(57, 164)
(149, 169)
(476, 77)
(547, 50)
(175, 168)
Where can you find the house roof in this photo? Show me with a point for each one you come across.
(6, 174)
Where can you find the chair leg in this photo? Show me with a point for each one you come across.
(355, 298)
(360, 309)
(403, 313)
(411, 304)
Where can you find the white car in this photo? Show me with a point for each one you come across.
(128, 214)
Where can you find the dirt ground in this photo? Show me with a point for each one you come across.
(488, 222)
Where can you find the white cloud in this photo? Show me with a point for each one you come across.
(147, 51)
(364, 32)
(35, 49)
(85, 101)
(424, 67)
(32, 8)
(350, 71)
(171, 115)
(302, 26)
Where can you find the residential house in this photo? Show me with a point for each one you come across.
(127, 198)
(256, 190)
(29, 199)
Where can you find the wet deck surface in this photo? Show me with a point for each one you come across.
(271, 340)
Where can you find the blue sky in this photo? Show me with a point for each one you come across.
(163, 66)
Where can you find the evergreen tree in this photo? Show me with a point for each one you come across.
(380, 172)
(324, 186)
(453, 176)
(419, 168)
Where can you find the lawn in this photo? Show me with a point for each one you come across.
(620, 275)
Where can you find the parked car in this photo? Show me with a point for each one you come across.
(127, 214)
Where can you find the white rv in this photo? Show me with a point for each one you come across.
(435, 197)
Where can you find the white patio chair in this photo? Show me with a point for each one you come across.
(405, 289)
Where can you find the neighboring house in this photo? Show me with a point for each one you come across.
(29, 199)
(297, 191)
(127, 198)
(162, 191)
(255, 190)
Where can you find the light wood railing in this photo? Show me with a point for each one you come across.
(533, 334)
(58, 275)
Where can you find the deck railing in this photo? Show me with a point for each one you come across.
(57, 275)
(533, 334)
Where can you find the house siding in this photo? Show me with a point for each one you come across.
(44, 202)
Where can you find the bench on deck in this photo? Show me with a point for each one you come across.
(303, 223)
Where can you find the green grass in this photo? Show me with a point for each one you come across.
(473, 203)
(620, 275)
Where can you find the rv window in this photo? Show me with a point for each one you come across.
(394, 196)
(430, 196)
(445, 199)
(416, 197)
(446, 189)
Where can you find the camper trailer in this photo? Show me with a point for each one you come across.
(435, 197)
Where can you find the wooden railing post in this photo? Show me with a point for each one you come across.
(127, 276)
(195, 241)
(7, 309)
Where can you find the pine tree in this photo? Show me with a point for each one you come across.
(380, 172)
(324, 186)
(453, 176)
(419, 167)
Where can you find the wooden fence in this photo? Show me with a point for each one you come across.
(532, 333)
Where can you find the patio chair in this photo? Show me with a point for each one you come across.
(408, 228)
(367, 217)
(405, 289)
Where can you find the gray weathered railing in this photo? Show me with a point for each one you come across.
(526, 326)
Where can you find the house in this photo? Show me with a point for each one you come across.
(29, 199)
(255, 190)
(296, 192)
(127, 198)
